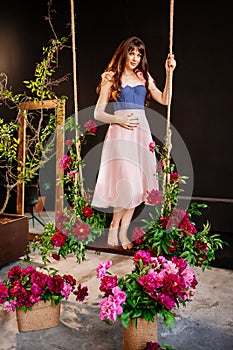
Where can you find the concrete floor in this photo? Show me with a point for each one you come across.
(205, 324)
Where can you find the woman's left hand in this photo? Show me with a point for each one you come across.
(170, 64)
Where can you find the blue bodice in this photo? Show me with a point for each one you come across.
(131, 97)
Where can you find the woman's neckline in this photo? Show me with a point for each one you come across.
(132, 86)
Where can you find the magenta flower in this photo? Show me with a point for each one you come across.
(174, 177)
(154, 197)
(152, 146)
(167, 301)
(119, 295)
(58, 239)
(142, 255)
(71, 174)
(9, 307)
(3, 291)
(107, 284)
(102, 268)
(109, 308)
(55, 284)
(66, 290)
(14, 272)
(35, 289)
(65, 162)
(71, 280)
(137, 235)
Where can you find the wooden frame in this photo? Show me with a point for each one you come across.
(59, 106)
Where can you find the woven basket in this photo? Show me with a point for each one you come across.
(42, 316)
(135, 338)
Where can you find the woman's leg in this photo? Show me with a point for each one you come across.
(114, 226)
(125, 222)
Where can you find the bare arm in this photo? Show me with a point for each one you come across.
(162, 96)
(126, 121)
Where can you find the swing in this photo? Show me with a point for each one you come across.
(99, 245)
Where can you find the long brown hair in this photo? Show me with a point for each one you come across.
(117, 64)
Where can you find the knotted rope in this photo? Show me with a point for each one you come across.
(168, 143)
(78, 150)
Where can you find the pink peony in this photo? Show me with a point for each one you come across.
(91, 126)
(102, 268)
(81, 230)
(154, 197)
(65, 162)
(152, 146)
(137, 235)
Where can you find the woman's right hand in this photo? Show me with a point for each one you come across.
(128, 121)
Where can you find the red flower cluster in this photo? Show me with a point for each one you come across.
(87, 211)
(174, 176)
(25, 287)
(58, 239)
(179, 219)
(154, 197)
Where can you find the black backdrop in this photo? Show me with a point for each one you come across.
(202, 89)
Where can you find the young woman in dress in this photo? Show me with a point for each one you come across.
(128, 168)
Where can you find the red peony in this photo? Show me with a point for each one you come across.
(58, 239)
(87, 212)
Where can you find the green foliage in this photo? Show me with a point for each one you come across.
(40, 126)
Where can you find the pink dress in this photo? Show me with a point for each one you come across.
(127, 168)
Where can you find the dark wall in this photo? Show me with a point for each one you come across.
(202, 85)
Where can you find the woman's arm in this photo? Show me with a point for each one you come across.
(156, 94)
(99, 112)
(126, 121)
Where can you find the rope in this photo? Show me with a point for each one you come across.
(76, 98)
(168, 142)
(168, 128)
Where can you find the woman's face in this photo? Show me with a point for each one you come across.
(133, 58)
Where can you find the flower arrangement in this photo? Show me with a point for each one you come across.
(27, 286)
(156, 346)
(171, 231)
(156, 285)
(79, 223)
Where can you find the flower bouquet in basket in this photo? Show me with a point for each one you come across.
(36, 296)
(155, 286)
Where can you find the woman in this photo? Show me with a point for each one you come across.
(127, 169)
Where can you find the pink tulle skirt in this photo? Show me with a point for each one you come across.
(127, 168)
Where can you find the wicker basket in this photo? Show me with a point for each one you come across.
(42, 316)
(135, 338)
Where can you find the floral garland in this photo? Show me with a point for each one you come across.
(79, 223)
(172, 231)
